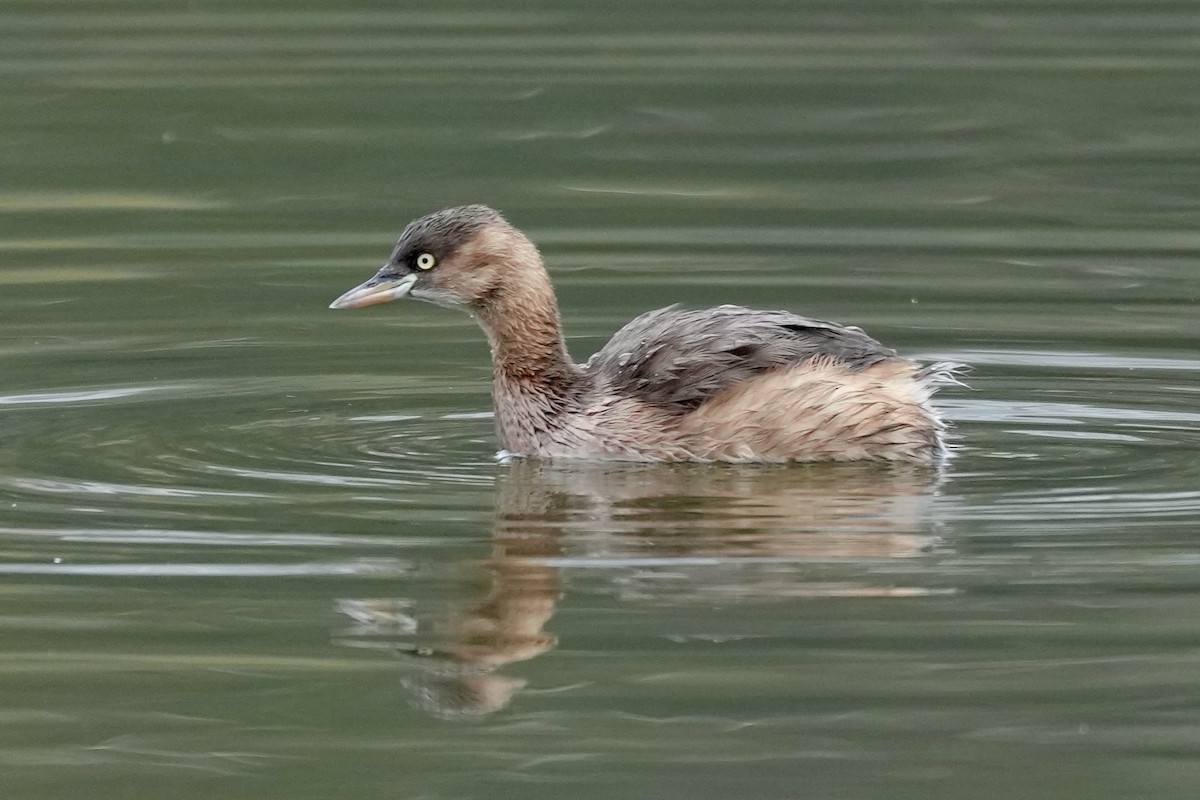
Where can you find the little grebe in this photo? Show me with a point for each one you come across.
(719, 384)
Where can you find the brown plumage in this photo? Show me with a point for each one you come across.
(719, 384)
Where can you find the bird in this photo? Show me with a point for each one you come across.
(722, 384)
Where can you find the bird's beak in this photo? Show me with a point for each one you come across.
(376, 291)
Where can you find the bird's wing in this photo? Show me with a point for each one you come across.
(678, 358)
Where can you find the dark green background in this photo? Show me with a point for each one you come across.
(229, 517)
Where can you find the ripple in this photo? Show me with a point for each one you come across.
(372, 568)
(146, 536)
(211, 449)
(1081, 440)
(1059, 413)
(100, 487)
(61, 398)
(1136, 402)
(1070, 360)
(156, 456)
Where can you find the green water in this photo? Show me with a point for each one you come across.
(253, 548)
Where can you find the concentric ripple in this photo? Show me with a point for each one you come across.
(1079, 439)
(1070, 436)
(217, 452)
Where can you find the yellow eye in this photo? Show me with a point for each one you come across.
(425, 261)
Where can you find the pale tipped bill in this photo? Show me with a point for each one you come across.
(376, 291)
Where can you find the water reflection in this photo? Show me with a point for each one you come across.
(662, 534)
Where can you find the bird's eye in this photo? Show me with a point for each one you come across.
(426, 261)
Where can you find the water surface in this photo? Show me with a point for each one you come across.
(253, 548)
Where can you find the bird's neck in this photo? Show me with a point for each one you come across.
(534, 380)
(524, 331)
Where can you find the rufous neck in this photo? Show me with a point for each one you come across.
(524, 329)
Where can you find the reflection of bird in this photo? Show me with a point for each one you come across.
(720, 384)
(682, 533)
(817, 511)
(459, 696)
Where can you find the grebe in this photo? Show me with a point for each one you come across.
(718, 384)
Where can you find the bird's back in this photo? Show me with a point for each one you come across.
(679, 358)
(738, 384)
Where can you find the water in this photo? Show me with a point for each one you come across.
(253, 548)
